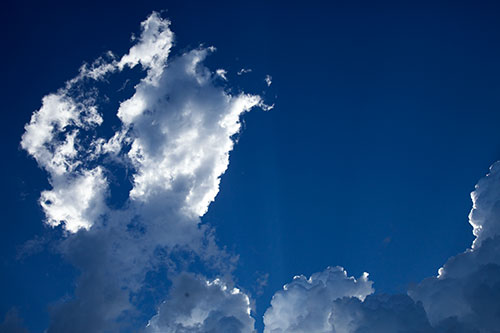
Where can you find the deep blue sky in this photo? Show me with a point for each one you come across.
(386, 116)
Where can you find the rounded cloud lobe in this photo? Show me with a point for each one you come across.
(304, 304)
(198, 306)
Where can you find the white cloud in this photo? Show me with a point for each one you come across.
(153, 47)
(77, 202)
(181, 133)
(200, 306)
(305, 305)
(58, 112)
(221, 73)
(244, 71)
(175, 139)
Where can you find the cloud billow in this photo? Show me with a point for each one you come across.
(462, 298)
(196, 305)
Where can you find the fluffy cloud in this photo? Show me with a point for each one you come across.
(174, 138)
(77, 202)
(153, 47)
(182, 152)
(200, 306)
(305, 304)
(462, 298)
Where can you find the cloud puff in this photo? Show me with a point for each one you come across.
(76, 202)
(174, 138)
(41, 138)
(152, 48)
(305, 304)
(222, 73)
(200, 306)
(463, 298)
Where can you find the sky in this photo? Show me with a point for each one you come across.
(229, 166)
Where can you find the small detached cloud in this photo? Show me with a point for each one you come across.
(269, 80)
(221, 73)
(244, 71)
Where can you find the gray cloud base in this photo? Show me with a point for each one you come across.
(196, 305)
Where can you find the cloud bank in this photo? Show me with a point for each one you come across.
(463, 297)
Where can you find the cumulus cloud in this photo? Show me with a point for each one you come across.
(41, 138)
(183, 152)
(201, 306)
(175, 136)
(463, 297)
(305, 304)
